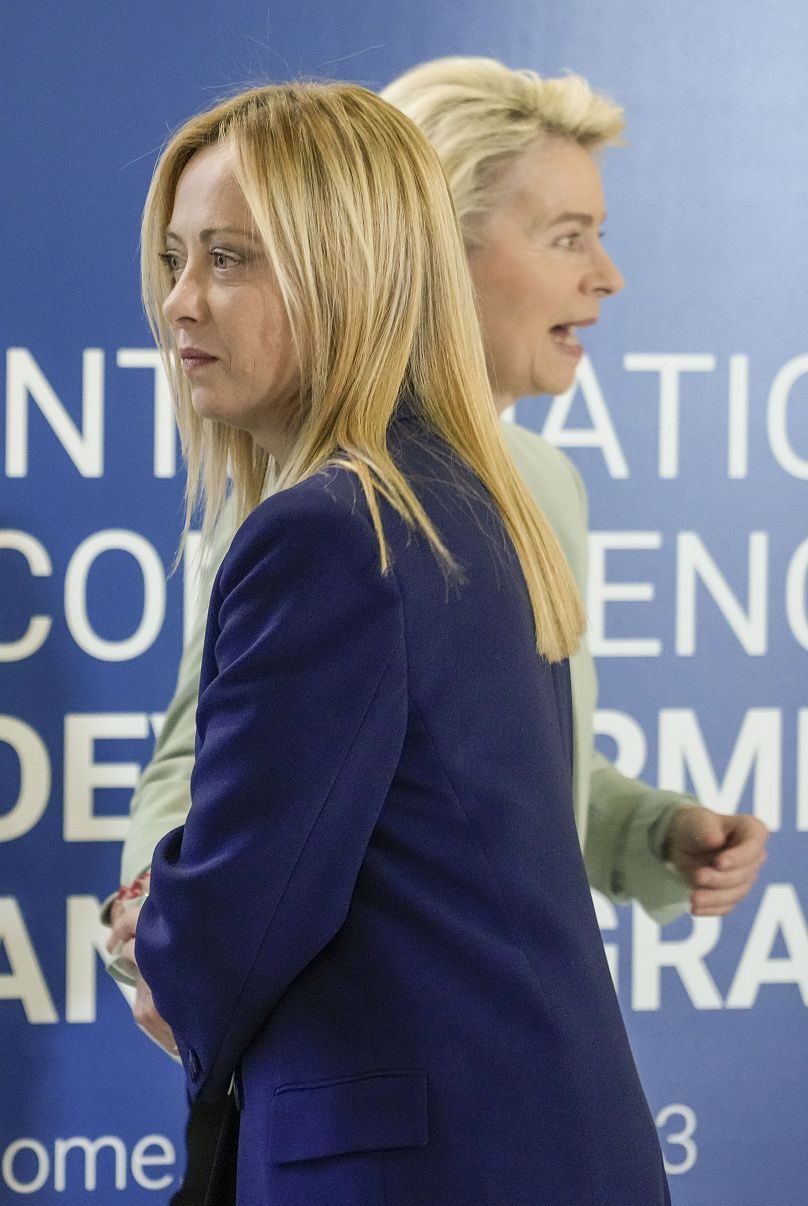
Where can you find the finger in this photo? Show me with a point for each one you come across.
(128, 923)
(711, 877)
(696, 837)
(144, 1009)
(693, 866)
(150, 1020)
(116, 934)
(751, 853)
(718, 911)
(122, 930)
(147, 1017)
(742, 831)
(710, 903)
(157, 1029)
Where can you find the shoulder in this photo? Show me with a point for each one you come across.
(319, 526)
(557, 487)
(542, 464)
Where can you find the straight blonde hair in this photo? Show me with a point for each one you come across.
(351, 204)
(480, 116)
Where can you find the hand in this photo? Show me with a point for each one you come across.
(124, 922)
(718, 855)
(147, 1017)
(121, 943)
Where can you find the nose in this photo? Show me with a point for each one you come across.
(605, 277)
(186, 301)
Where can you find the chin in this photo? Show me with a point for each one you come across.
(206, 408)
(556, 384)
(548, 389)
(552, 379)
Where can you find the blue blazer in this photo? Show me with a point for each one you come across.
(376, 918)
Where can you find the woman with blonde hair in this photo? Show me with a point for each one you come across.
(375, 929)
(521, 156)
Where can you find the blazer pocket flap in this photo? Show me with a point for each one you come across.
(359, 1114)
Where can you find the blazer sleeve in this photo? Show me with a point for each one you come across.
(299, 731)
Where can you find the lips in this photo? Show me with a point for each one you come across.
(195, 358)
(565, 334)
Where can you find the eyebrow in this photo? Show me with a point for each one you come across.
(569, 216)
(211, 232)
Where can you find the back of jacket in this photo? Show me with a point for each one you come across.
(378, 912)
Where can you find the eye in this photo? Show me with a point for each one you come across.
(570, 241)
(172, 262)
(223, 260)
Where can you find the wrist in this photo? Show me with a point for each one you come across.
(666, 846)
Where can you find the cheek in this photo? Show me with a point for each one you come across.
(275, 365)
(251, 349)
(522, 299)
(273, 337)
(493, 280)
(248, 329)
(524, 324)
(533, 298)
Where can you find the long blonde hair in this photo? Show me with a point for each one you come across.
(480, 116)
(353, 209)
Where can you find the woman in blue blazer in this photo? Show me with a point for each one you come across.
(374, 930)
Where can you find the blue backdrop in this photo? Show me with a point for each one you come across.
(689, 422)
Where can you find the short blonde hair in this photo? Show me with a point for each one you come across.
(351, 204)
(481, 116)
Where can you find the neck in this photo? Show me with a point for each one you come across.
(502, 402)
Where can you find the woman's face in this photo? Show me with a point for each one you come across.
(225, 309)
(541, 271)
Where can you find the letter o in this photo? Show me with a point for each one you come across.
(154, 595)
(43, 1166)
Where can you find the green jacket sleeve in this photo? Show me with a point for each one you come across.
(622, 822)
(628, 821)
(162, 797)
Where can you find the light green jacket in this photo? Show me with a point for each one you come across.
(621, 822)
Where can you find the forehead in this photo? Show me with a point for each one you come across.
(207, 193)
(554, 175)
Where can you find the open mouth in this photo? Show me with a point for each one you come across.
(566, 335)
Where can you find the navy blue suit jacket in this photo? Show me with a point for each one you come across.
(377, 913)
